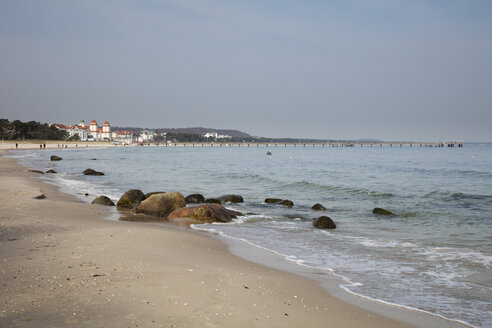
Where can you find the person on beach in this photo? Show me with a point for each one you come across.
(40, 146)
(44, 146)
(16, 145)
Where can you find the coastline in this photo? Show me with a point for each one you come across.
(80, 269)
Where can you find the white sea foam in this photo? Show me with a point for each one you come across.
(450, 254)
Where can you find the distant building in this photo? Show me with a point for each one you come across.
(215, 135)
(88, 133)
(145, 136)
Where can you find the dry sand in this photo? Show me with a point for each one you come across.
(62, 264)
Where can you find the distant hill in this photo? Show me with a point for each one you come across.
(194, 130)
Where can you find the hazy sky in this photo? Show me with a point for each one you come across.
(388, 69)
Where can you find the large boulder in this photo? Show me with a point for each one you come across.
(381, 211)
(55, 158)
(92, 172)
(147, 195)
(231, 198)
(131, 199)
(195, 198)
(318, 207)
(103, 200)
(162, 204)
(324, 222)
(205, 213)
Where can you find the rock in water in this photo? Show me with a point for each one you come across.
(103, 200)
(286, 202)
(234, 213)
(36, 171)
(318, 207)
(195, 198)
(42, 196)
(147, 195)
(324, 222)
(272, 200)
(231, 198)
(92, 172)
(162, 204)
(131, 199)
(205, 213)
(381, 211)
(51, 171)
(213, 201)
(55, 158)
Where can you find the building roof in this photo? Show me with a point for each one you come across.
(93, 122)
(106, 123)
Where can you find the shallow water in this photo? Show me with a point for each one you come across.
(435, 254)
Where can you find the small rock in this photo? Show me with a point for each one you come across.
(286, 202)
(55, 158)
(272, 200)
(103, 200)
(92, 172)
(36, 171)
(231, 198)
(381, 211)
(195, 199)
(324, 222)
(42, 196)
(318, 207)
(51, 171)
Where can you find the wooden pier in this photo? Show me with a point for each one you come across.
(326, 144)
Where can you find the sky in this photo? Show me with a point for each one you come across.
(341, 69)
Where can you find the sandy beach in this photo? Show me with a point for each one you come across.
(63, 264)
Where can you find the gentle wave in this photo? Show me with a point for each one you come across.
(303, 185)
(347, 286)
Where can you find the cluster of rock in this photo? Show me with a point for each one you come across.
(172, 205)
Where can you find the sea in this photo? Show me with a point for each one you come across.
(434, 254)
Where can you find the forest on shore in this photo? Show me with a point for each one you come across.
(17, 130)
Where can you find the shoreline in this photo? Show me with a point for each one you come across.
(273, 286)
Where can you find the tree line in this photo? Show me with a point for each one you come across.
(17, 130)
